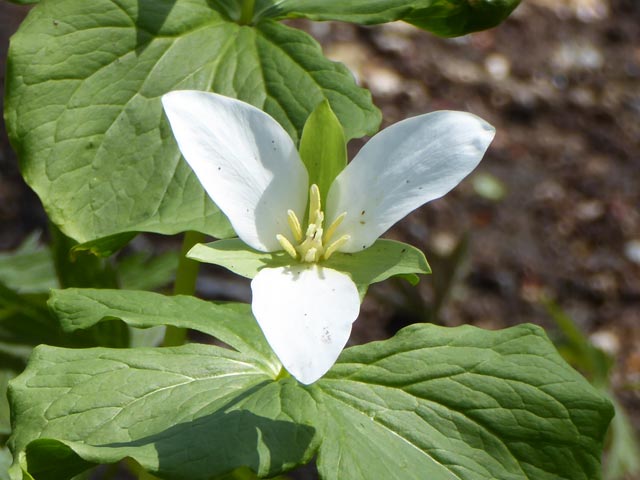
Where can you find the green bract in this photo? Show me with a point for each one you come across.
(458, 403)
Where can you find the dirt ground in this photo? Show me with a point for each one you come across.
(553, 210)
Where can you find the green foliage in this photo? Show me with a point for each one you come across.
(623, 456)
(78, 309)
(84, 115)
(29, 269)
(443, 17)
(447, 403)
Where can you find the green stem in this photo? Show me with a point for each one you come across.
(246, 11)
(185, 284)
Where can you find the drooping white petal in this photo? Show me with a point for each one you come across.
(305, 312)
(403, 167)
(245, 161)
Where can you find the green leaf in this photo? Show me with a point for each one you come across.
(232, 323)
(432, 402)
(79, 269)
(442, 17)
(25, 320)
(141, 271)
(384, 259)
(29, 269)
(5, 425)
(323, 148)
(105, 246)
(5, 462)
(623, 456)
(83, 110)
(190, 412)
(459, 403)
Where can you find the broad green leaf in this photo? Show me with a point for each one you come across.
(231, 323)
(432, 402)
(29, 269)
(460, 403)
(323, 148)
(382, 260)
(190, 412)
(83, 110)
(25, 321)
(442, 17)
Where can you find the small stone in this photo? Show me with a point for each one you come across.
(632, 251)
(443, 243)
(498, 66)
(590, 210)
(606, 341)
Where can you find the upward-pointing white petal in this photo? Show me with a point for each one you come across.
(305, 312)
(403, 167)
(245, 161)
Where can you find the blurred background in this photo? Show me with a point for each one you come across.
(547, 230)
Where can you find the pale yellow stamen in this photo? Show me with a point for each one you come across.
(314, 203)
(336, 245)
(286, 244)
(311, 245)
(294, 225)
(332, 229)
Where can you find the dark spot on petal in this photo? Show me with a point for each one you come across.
(362, 212)
(407, 181)
(219, 168)
(362, 223)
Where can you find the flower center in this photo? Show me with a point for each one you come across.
(315, 244)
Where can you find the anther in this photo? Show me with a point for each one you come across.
(286, 244)
(331, 249)
(332, 228)
(294, 225)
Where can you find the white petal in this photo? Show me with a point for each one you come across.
(403, 167)
(245, 161)
(305, 312)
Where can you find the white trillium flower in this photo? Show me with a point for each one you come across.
(249, 166)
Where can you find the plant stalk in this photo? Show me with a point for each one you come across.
(185, 284)
(246, 11)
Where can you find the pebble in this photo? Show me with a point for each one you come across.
(632, 251)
